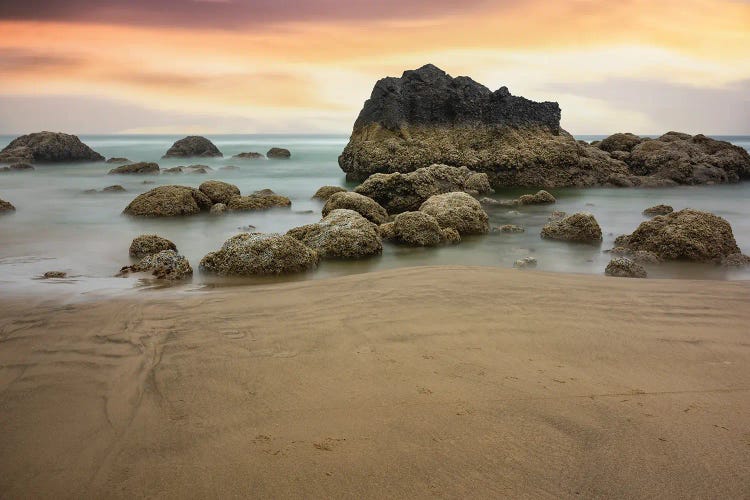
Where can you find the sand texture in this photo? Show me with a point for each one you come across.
(435, 381)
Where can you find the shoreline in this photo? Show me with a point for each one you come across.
(439, 380)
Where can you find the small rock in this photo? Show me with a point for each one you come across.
(54, 274)
(579, 227)
(6, 207)
(509, 228)
(118, 159)
(525, 263)
(149, 244)
(218, 209)
(278, 153)
(248, 156)
(193, 146)
(326, 192)
(21, 166)
(259, 200)
(624, 268)
(658, 210)
(143, 167)
(365, 206)
(229, 167)
(736, 260)
(540, 198)
(459, 211)
(167, 264)
(219, 191)
(114, 189)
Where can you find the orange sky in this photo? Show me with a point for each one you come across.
(633, 65)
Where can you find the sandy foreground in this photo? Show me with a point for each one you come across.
(433, 381)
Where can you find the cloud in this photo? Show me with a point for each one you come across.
(14, 60)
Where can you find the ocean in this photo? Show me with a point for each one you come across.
(59, 227)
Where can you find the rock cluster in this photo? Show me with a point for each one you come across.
(192, 146)
(149, 244)
(580, 227)
(118, 159)
(48, 147)
(341, 234)
(250, 254)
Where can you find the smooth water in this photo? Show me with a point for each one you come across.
(59, 227)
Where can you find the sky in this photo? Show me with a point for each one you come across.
(283, 66)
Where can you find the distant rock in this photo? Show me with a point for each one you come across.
(399, 192)
(458, 211)
(249, 156)
(250, 254)
(193, 146)
(509, 228)
(525, 263)
(167, 265)
(688, 234)
(136, 168)
(6, 207)
(197, 169)
(736, 260)
(168, 201)
(118, 159)
(218, 209)
(116, 188)
(260, 200)
(580, 227)
(624, 268)
(48, 147)
(365, 206)
(540, 198)
(418, 229)
(54, 275)
(278, 154)
(342, 234)
(325, 192)
(149, 244)
(218, 191)
(658, 210)
(174, 170)
(18, 167)
(229, 167)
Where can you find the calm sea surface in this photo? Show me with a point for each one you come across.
(59, 227)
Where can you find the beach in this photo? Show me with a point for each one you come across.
(445, 381)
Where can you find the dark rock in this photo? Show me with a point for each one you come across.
(658, 210)
(193, 146)
(197, 169)
(736, 260)
(540, 198)
(48, 147)
(118, 159)
(278, 154)
(624, 268)
(624, 142)
(248, 156)
(174, 170)
(114, 189)
(168, 201)
(137, 168)
(6, 207)
(54, 275)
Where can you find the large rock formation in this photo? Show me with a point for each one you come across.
(168, 201)
(342, 234)
(192, 146)
(48, 147)
(406, 192)
(249, 254)
(428, 117)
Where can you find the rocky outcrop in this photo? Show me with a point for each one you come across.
(365, 206)
(218, 191)
(418, 229)
(624, 268)
(325, 192)
(658, 210)
(259, 200)
(458, 211)
(136, 168)
(149, 244)
(278, 154)
(399, 192)
(684, 235)
(250, 254)
(342, 234)
(6, 207)
(249, 156)
(539, 198)
(192, 146)
(168, 201)
(580, 227)
(48, 147)
(167, 265)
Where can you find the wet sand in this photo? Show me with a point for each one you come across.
(449, 381)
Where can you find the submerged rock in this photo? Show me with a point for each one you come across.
(54, 275)
(251, 254)
(229, 167)
(48, 147)
(118, 159)
(6, 207)
(539, 198)
(248, 156)
(524, 263)
(173, 170)
(418, 229)
(342, 234)
(260, 200)
(458, 211)
(325, 192)
(218, 209)
(149, 244)
(736, 260)
(20, 167)
(142, 167)
(580, 227)
(167, 265)
(219, 191)
(509, 228)
(192, 146)
(116, 188)
(684, 235)
(399, 192)
(658, 210)
(624, 268)
(278, 154)
(365, 206)
(197, 169)
(168, 201)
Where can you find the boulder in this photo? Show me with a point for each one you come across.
(118, 159)
(174, 170)
(459, 211)
(525, 263)
(624, 268)
(540, 198)
(418, 229)
(259, 200)
(218, 191)
(620, 142)
(168, 201)
(248, 156)
(249, 254)
(48, 147)
(6, 207)
(142, 167)
(402, 192)
(580, 227)
(218, 209)
(278, 154)
(167, 264)
(684, 235)
(342, 234)
(192, 146)
(658, 210)
(149, 244)
(365, 206)
(325, 192)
